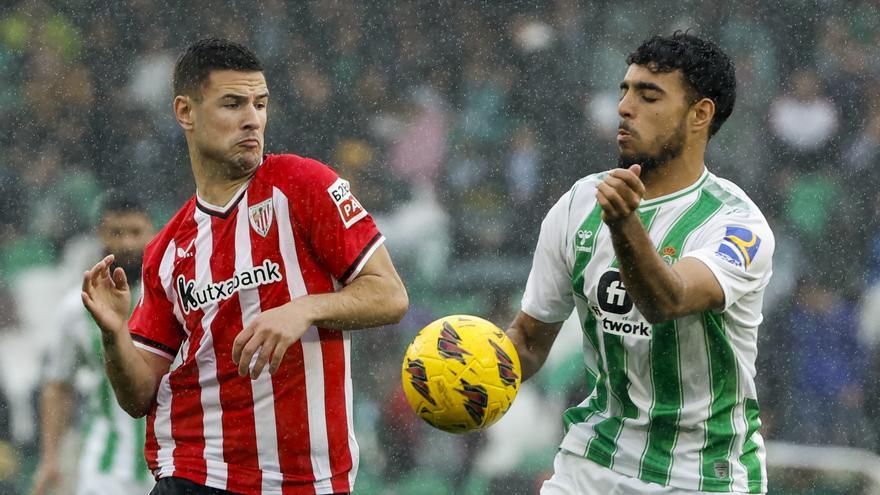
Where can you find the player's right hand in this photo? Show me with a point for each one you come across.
(620, 194)
(106, 295)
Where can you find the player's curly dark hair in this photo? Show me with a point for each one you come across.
(195, 64)
(707, 70)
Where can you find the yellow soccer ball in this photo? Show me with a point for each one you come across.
(461, 373)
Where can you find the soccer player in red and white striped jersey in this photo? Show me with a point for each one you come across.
(263, 269)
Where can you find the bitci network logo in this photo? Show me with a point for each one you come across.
(615, 306)
(612, 294)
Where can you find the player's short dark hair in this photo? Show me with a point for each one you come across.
(114, 202)
(707, 70)
(196, 63)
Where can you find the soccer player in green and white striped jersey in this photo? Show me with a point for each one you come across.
(111, 457)
(666, 265)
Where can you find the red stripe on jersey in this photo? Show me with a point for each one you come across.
(239, 436)
(318, 281)
(334, 403)
(151, 445)
(187, 425)
(288, 382)
(292, 423)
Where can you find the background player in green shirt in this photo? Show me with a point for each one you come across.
(667, 265)
(111, 456)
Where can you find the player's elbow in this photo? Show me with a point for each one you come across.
(657, 316)
(659, 311)
(398, 302)
(135, 411)
(135, 408)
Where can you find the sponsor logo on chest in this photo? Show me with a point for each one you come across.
(614, 310)
(192, 298)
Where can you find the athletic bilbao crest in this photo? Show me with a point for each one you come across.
(260, 215)
(449, 344)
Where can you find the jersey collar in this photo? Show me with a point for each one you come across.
(677, 194)
(225, 210)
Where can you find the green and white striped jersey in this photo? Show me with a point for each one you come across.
(112, 451)
(672, 403)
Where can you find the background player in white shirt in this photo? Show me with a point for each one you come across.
(666, 265)
(111, 457)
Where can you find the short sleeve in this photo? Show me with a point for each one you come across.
(63, 353)
(739, 252)
(548, 295)
(339, 228)
(153, 325)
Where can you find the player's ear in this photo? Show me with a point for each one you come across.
(183, 107)
(701, 114)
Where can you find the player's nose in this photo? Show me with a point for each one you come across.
(625, 107)
(251, 118)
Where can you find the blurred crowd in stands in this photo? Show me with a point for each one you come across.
(459, 123)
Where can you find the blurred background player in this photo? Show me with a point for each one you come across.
(666, 264)
(259, 271)
(111, 457)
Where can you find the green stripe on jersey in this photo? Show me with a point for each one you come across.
(720, 432)
(601, 450)
(665, 359)
(749, 458)
(574, 415)
(585, 246)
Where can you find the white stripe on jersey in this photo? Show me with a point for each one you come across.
(212, 409)
(696, 408)
(166, 275)
(313, 362)
(352, 442)
(162, 424)
(162, 428)
(264, 396)
(737, 468)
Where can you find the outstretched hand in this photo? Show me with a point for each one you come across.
(266, 339)
(106, 295)
(620, 194)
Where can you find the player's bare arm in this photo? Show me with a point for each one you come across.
(375, 297)
(661, 292)
(133, 373)
(533, 340)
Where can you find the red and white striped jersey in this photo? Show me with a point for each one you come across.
(294, 229)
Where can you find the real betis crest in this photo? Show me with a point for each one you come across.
(260, 215)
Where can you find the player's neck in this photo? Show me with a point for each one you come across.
(675, 175)
(213, 187)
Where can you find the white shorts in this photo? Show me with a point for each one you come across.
(573, 475)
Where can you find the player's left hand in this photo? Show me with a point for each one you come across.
(268, 337)
(620, 194)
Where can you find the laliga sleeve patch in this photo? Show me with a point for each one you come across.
(350, 209)
(739, 246)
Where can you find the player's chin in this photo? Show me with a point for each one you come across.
(249, 159)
